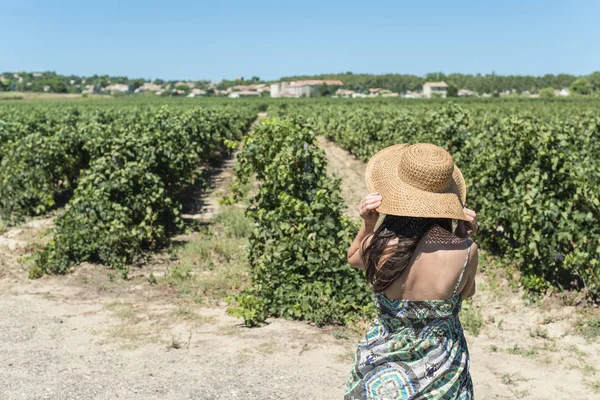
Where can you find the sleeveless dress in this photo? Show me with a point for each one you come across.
(415, 349)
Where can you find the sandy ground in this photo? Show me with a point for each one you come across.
(91, 335)
(56, 345)
(352, 171)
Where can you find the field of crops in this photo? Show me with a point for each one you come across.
(532, 170)
(97, 188)
(120, 169)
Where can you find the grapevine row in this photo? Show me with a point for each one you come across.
(533, 175)
(125, 168)
(298, 247)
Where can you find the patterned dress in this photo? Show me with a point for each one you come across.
(413, 350)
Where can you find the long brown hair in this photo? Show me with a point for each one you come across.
(409, 231)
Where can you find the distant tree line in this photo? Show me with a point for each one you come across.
(52, 82)
(489, 83)
(400, 83)
(224, 84)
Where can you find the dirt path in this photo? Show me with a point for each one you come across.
(350, 169)
(521, 351)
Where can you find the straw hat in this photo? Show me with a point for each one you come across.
(417, 180)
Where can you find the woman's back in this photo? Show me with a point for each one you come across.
(437, 265)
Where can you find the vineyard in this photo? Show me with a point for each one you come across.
(121, 171)
(298, 246)
(532, 170)
(96, 189)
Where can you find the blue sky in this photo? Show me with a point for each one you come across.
(224, 39)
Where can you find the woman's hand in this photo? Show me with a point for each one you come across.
(367, 209)
(467, 228)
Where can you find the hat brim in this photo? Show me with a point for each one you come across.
(400, 198)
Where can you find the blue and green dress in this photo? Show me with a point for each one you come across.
(413, 350)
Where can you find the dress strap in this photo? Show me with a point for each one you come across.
(462, 272)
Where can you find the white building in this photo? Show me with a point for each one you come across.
(198, 92)
(89, 89)
(117, 87)
(412, 95)
(465, 93)
(300, 88)
(148, 87)
(245, 93)
(344, 92)
(432, 89)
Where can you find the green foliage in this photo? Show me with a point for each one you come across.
(471, 318)
(128, 199)
(298, 246)
(235, 222)
(581, 86)
(326, 90)
(547, 93)
(36, 169)
(224, 84)
(181, 273)
(532, 174)
(452, 91)
(535, 184)
(115, 214)
(184, 88)
(58, 86)
(41, 156)
(126, 167)
(251, 307)
(10, 96)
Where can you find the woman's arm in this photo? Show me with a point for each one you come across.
(354, 254)
(369, 214)
(471, 270)
(466, 229)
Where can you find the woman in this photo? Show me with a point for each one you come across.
(420, 272)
